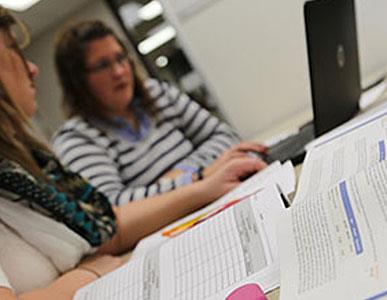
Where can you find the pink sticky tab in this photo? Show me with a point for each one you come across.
(249, 291)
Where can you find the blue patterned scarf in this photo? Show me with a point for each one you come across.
(66, 197)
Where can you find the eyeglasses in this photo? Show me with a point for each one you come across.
(106, 64)
(20, 33)
(20, 39)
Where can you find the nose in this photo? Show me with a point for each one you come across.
(118, 69)
(33, 69)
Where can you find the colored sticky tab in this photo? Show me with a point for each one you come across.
(249, 291)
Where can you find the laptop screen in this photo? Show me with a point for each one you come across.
(333, 61)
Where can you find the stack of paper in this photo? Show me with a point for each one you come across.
(235, 246)
(333, 241)
(276, 174)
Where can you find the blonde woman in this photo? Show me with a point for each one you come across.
(50, 218)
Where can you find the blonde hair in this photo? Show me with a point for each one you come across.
(17, 137)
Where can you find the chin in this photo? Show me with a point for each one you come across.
(126, 99)
(29, 107)
(31, 112)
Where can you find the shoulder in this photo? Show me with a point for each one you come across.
(80, 136)
(7, 167)
(153, 87)
(163, 92)
(76, 127)
(75, 124)
(13, 177)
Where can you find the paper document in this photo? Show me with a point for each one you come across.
(234, 247)
(276, 173)
(350, 125)
(343, 155)
(372, 95)
(333, 240)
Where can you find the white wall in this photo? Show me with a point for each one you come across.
(372, 33)
(41, 51)
(254, 53)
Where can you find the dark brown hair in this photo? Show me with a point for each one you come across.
(70, 60)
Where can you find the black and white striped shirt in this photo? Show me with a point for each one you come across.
(183, 133)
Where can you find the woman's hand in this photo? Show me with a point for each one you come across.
(238, 151)
(229, 175)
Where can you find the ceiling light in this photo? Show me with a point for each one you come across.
(150, 10)
(162, 61)
(156, 40)
(18, 5)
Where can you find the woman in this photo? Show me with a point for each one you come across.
(50, 218)
(130, 138)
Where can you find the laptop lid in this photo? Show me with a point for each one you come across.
(333, 61)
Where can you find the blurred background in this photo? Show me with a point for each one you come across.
(245, 60)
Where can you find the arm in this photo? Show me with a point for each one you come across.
(88, 158)
(7, 294)
(84, 156)
(237, 151)
(64, 287)
(214, 141)
(138, 219)
(209, 136)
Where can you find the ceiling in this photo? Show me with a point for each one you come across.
(46, 13)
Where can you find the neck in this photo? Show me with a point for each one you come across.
(129, 116)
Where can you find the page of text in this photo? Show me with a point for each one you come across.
(226, 249)
(343, 156)
(333, 245)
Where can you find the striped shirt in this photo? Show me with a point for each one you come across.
(182, 135)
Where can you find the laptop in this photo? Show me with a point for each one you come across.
(334, 74)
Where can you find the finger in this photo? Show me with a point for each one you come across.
(236, 155)
(260, 164)
(230, 154)
(237, 151)
(250, 146)
(250, 165)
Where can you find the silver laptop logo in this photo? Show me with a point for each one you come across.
(340, 56)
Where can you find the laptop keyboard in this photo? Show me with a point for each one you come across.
(293, 147)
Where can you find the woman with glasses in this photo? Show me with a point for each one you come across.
(129, 137)
(50, 217)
